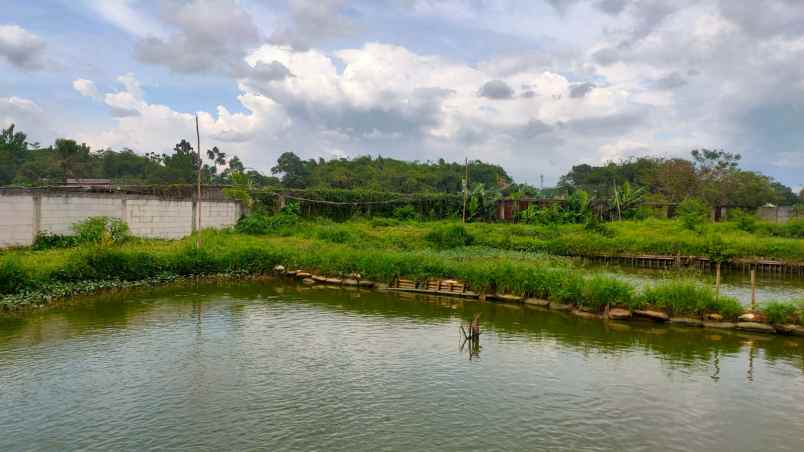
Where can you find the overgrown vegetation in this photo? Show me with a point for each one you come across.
(378, 252)
(682, 297)
(781, 312)
(101, 231)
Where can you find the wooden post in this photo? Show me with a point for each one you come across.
(198, 200)
(465, 190)
(717, 280)
(753, 290)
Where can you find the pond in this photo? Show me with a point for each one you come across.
(235, 366)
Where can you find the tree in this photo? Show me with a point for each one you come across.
(75, 160)
(13, 149)
(295, 172)
(715, 163)
(181, 166)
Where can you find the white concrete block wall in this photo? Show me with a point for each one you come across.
(16, 220)
(151, 218)
(219, 214)
(60, 213)
(156, 218)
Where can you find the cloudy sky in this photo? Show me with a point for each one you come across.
(535, 86)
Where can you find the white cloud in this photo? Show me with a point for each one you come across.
(21, 48)
(148, 127)
(127, 15)
(86, 88)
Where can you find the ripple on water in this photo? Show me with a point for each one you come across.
(246, 367)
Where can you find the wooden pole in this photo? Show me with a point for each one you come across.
(753, 290)
(465, 190)
(198, 183)
(717, 280)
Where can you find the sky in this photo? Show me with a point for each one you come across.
(535, 86)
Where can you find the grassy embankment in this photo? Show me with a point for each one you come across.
(654, 237)
(380, 250)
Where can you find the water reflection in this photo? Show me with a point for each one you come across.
(239, 366)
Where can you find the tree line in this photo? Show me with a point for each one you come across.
(711, 175)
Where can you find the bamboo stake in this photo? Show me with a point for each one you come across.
(717, 280)
(198, 200)
(753, 290)
(465, 190)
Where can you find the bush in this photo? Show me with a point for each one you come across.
(259, 223)
(779, 312)
(255, 224)
(405, 213)
(690, 298)
(717, 250)
(744, 221)
(12, 277)
(451, 236)
(101, 231)
(46, 241)
(193, 261)
(596, 226)
(600, 291)
(794, 229)
(693, 213)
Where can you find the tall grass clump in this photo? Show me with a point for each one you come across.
(449, 236)
(693, 213)
(682, 297)
(779, 312)
(601, 291)
(13, 277)
(260, 223)
(101, 231)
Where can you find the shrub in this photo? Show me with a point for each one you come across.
(599, 291)
(255, 223)
(693, 213)
(451, 236)
(781, 312)
(717, 250)
(744, 221)
(46, 241)
(405, 213)
(101, 231)
(193, 261)
(259, 223)
(680, 297)
(13, 277)
(794, 229)
(596, 226)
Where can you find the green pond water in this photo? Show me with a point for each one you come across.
(275, 367)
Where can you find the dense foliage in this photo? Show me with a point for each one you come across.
(342, 250)
(713, 176)
(385, 174)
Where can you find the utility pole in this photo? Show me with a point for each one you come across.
(465, 189)
(198, 195)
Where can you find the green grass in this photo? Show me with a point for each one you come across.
(659, 237)
(780, 312)
(379, 253)
(680, 298)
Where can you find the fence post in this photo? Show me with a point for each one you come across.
(717, 279)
